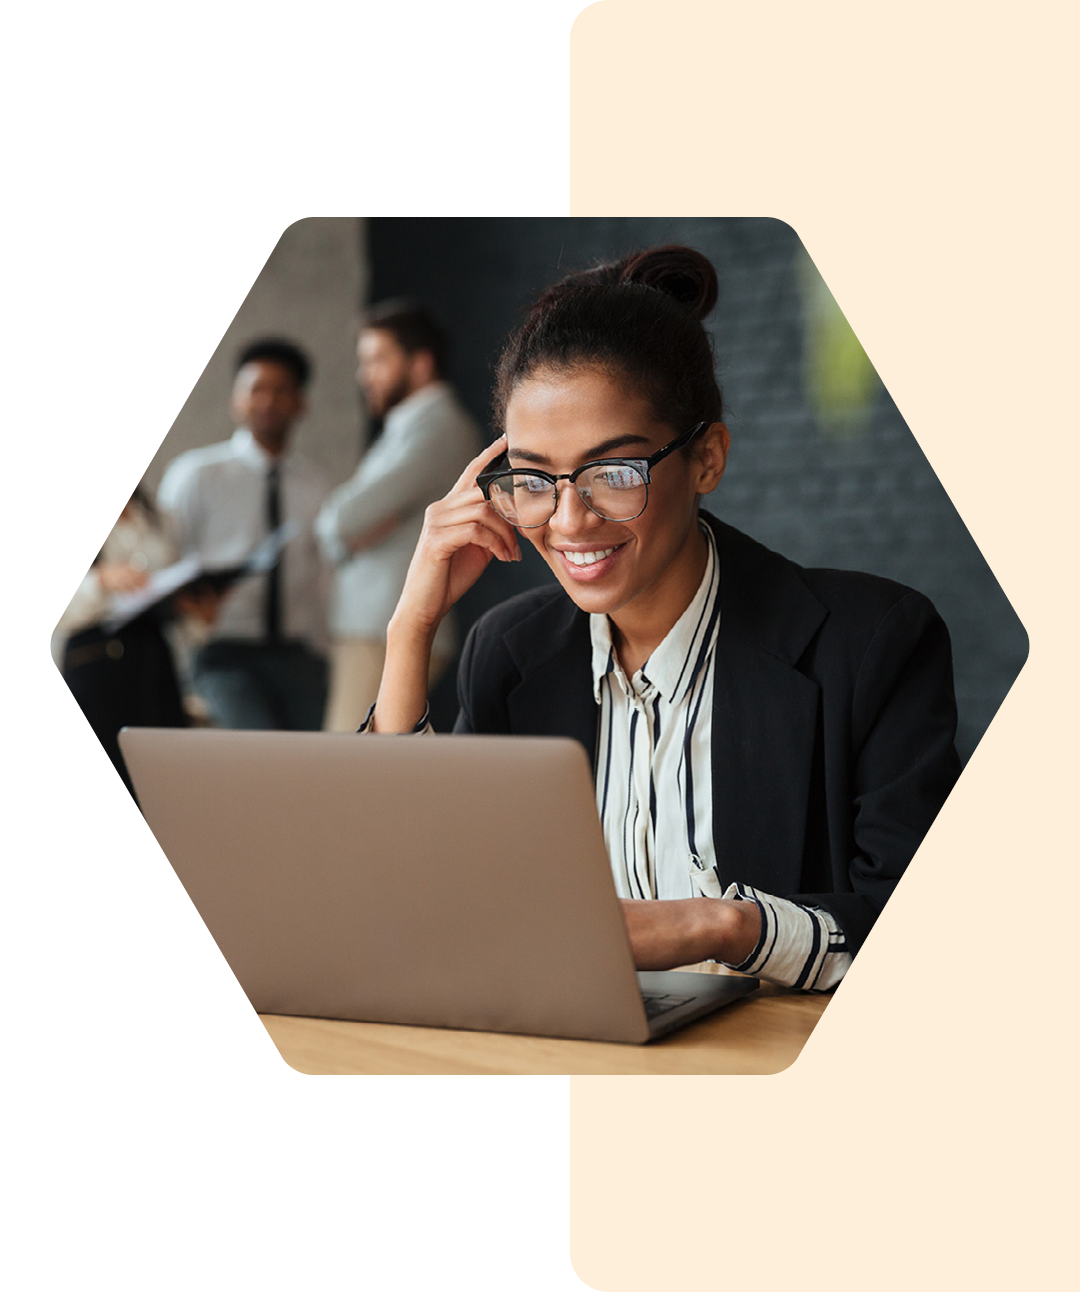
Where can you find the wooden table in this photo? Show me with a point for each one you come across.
(759, 1035)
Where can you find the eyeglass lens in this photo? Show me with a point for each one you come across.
(616, 492)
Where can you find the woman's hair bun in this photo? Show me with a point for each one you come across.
(679, 272)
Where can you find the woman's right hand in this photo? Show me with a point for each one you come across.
(462, 533)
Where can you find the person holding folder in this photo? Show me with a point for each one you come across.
(122, 676)
(770, 744)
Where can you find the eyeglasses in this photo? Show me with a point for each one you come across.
(614, 488)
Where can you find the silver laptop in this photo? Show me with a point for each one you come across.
(447, 881)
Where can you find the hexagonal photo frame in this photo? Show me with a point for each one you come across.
(822, 468)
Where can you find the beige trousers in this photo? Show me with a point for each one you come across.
(356, 665)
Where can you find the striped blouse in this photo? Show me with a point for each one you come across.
(654, 792)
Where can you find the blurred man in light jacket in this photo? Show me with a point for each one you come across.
(369, 526)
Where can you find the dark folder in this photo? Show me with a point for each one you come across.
(190, 574)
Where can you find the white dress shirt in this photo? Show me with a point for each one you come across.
(426, 442)
(654, 791)
(216, 497)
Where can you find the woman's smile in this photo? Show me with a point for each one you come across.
(587, 564)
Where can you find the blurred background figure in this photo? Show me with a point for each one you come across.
(369, 525)
(124, 678)
(263, 664)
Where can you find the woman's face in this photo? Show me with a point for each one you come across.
(641, 572)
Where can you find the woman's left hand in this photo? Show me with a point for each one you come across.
(666, 934)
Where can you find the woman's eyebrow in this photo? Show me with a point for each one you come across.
(597, 451)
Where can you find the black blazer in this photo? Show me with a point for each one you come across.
(832, 729)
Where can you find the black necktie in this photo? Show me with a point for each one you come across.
(273, 578)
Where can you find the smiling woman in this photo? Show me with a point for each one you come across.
(770, 743)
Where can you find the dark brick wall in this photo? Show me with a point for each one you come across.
(865, 499)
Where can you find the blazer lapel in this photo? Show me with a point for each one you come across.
(555, 694)
(765, 715)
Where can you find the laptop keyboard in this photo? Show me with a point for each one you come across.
(656, 1004)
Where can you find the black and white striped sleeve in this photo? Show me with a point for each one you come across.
(422, 728)
(800, 946)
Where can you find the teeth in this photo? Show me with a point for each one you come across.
(587, 558)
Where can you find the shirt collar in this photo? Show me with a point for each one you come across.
(603, 653)
(674, 665)
(248, 451)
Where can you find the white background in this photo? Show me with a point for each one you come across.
(155, 1139)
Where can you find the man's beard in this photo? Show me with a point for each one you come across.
(394, 396)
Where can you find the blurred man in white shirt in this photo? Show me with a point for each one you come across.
(264, 664)
(369, 526)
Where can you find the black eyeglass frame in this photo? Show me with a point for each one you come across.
(642, 465)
